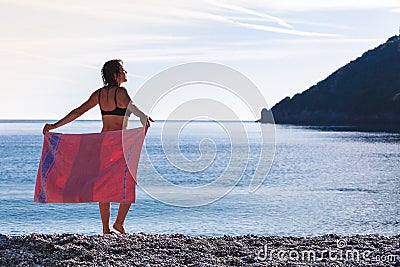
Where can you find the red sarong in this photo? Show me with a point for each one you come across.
(98, 167)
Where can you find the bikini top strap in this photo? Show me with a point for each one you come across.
(115, 97)
(99, 96)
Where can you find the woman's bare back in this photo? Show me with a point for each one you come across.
(110, 98)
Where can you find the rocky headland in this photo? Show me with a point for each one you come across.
(366, 91)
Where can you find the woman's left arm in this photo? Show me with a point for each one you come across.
(75, 113)
(126, 100)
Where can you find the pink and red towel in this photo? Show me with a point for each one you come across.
(98, 167)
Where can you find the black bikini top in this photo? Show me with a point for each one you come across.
(117, 111)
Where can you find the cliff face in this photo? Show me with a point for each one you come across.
(365, 91)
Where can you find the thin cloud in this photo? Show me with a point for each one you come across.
(145, 13)
(291, 41)
(307, 22)
(284, 31)
(66, 61)
(172, 55)
(269, 18)
(331, 41)
(177, 14)
(314, 5)
(79, 41)
(203, 53)
(252, 12)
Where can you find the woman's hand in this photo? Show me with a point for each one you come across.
(145, 120)
(48, 126)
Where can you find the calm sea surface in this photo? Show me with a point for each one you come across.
(322, 180)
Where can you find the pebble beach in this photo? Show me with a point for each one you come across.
(141, 249)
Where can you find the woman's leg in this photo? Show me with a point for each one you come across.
(119, 221)
(105, 217)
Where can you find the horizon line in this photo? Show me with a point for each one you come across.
(180, 120)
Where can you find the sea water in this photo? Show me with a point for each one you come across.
(322, 180)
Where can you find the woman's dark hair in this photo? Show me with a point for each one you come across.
(109, 69)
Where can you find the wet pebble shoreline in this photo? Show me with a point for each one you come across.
(142, 249)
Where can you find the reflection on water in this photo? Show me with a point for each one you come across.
(321, 181)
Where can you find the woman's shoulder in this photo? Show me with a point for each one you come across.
(121, 90)
(102, 89)
(122, 93)
(99, 89)
(95, 92)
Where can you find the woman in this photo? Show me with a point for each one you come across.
(116, 106)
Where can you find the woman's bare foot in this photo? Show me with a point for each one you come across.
(119, 228)
(106, 231)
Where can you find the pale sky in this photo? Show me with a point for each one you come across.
(51, 52)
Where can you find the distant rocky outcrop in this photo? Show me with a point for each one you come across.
(365, 91)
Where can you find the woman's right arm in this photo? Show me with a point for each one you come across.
(75, 113)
